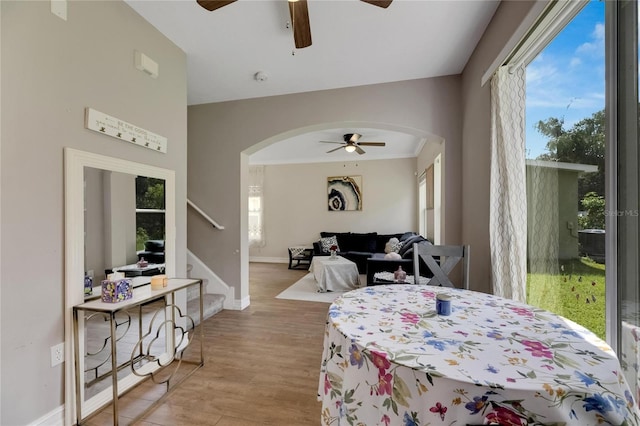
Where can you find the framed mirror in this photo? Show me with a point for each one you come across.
(103, 232)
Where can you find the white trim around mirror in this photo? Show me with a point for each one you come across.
(74, 163)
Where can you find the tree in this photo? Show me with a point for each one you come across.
(149, 195)
(593, 204)
(582, 144)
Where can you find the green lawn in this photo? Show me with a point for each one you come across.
(577, 292)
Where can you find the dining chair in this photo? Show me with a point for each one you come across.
(441, 260)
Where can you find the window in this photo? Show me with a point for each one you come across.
(422, 204)
(622, 209)
(256, 206)
(579, 144)
(150, 210)
(565, 134)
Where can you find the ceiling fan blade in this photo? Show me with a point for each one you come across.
(372, 143)
(359, 150)
(212, 5)
(342, 143)
(380, 3)
(335, 149)
(300, 22)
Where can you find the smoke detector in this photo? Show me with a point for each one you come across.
(260, 76)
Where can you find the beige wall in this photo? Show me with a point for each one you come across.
(296, 202)
(51, 70)
(95, 248)
(220, 132)
(476, 144)
(426, 158)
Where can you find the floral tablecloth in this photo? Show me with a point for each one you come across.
(630, 356)
(389, 359)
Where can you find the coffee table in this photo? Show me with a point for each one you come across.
(334, 274)
(134, 270)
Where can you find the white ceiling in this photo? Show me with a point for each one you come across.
(354, 43)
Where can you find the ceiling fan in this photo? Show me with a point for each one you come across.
(351, 143)
(299, 16)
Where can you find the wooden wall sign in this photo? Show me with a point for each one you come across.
(127, 132)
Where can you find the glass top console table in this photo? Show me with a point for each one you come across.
(128, 356)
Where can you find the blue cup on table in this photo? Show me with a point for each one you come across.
(443, 304)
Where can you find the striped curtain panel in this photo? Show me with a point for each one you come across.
(508, 196)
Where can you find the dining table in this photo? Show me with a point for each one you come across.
(390, 359)
(630, 343)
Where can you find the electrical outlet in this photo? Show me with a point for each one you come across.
(57, 354)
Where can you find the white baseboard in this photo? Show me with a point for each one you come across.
(53, 418)
(241, 304)
(258, 259)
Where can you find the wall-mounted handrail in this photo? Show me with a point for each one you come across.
(203, 214)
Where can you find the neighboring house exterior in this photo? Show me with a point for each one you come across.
(552, 209)
(51, 70)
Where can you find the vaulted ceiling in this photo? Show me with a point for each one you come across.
(246, 50)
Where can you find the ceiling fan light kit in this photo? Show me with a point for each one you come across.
(299, 13)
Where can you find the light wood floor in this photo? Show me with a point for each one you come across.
(261, 366)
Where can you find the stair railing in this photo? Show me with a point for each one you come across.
(204, 215)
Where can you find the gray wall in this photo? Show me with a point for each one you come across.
(295, 208)
(219, 132)
(476, 139)
(51, 70)
(109, 221)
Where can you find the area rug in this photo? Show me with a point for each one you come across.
(305, 289)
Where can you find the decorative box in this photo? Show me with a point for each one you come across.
(114, 291)
(88, 285)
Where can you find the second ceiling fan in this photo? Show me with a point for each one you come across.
(299, 16)
(351, 143)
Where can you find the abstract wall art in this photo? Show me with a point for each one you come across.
(345, 193)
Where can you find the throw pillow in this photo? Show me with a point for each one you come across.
(407, 235)
(407, 246)
(392, 246)
(327, 242)
(393, 255)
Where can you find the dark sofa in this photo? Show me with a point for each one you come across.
(366, 250)
(153, 251)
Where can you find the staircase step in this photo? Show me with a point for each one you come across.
(211, 305)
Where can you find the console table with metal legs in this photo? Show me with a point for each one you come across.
(144, 364)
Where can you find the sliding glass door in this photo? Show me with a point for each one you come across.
(623, 209)
(565, 173)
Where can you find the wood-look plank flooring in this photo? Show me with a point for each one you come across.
(261, 365)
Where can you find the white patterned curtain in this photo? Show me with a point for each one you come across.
(543, 227)
(508, 196)
(256, 206)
